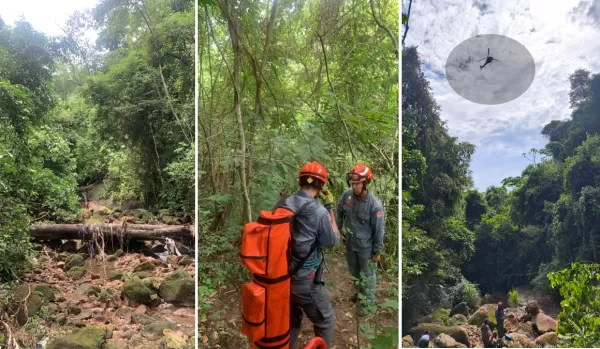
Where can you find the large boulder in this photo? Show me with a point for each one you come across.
(135, 290)
(511, 323)
(45, 292)
(407, 342)
(486, 311)
(550, 338)
(445, 341)
(26, 303)
(178, 289)
(543, 323)
(460, 308)
(457, 332)
(532, 308)
(457, 319)
(440, 316)
(91, 337)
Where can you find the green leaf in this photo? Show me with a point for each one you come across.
(404, 19)
(390, 304)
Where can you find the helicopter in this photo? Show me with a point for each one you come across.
(488, 60)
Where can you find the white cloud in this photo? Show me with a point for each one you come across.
(43, 15)
(562, 36)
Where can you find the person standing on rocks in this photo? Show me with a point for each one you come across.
(500, 321)
(362, 214)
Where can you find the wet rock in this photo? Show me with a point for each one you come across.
(92, 337)
(178, 288)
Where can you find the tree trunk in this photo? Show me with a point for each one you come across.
(237, 58)
(132, 231)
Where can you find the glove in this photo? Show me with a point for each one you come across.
(327, 198)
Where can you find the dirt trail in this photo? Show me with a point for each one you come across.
(222, 327)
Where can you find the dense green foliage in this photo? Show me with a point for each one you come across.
(578, 321)
(436, 239)
(507, 236)
(317, 81)
(74, 113)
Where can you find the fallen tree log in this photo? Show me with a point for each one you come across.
(131, 231)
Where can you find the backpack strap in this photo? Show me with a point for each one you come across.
(312, 248)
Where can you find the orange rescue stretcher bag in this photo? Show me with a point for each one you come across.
(266, 251)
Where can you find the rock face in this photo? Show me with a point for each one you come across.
(91, 337)
(543, 323)
(178, 288)
(485, 311)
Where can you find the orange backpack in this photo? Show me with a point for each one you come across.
(266, 246)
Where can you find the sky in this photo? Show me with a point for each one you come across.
(43, 14)
(561, 36)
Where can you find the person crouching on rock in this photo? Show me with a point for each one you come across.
(424, 340)
(486, 334)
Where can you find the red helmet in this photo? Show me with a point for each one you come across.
(314, 170)
(359, 173)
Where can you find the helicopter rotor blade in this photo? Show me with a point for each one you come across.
(488, 51)
(481, 59)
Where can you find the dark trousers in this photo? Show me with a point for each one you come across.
(313, 300)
